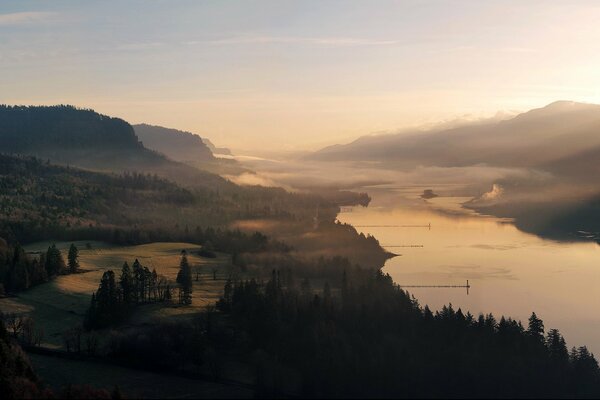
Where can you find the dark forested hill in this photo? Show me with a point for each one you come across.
(29, 129)
(215, 149)
(187, 148)
(175, 144)
(84, 138)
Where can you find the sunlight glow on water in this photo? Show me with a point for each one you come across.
(511, 273)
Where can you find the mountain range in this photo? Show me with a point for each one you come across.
(562, 137)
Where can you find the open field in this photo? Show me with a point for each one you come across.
(61, 304)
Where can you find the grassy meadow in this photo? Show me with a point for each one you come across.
(61, 303)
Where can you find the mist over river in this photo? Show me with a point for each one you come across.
(511, 273)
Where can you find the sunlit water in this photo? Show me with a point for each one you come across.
(510, 272)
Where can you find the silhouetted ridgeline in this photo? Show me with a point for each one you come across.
(188, 148)
(175, 144)
(547, 137)
(25, 129)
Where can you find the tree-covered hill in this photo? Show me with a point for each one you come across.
(188, 148)
(26, 129)
(72, 136)
(175, 144)
(36, 196)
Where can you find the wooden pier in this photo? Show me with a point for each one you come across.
(467, 286)
(394, 226)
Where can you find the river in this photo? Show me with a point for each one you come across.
(510, 272)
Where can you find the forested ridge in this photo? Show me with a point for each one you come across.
(373, 339)
(175, 144)
(27, 128)
(365, 338)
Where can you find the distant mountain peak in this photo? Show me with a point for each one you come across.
(567, 106)
(562, 104)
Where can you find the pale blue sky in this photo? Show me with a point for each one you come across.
(298, 74)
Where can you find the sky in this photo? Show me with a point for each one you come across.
(298, 75)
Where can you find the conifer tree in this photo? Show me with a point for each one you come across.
(138, 282)
(55, 263)
(73, 259)
(126, 284)
(536, 328)
(184, 279)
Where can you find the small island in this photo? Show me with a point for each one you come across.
(428, 194)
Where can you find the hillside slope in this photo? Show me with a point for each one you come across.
(188, 148)
(84, 138)
(539, 137)
(175, 144)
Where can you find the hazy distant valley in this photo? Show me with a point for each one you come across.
(544, 160)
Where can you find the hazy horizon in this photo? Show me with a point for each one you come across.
(298, 75)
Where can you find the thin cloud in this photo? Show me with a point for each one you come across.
(322, 41)
(26, 17)
(518, 50)
(139, 46)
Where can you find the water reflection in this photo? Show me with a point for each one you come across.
(510, 272)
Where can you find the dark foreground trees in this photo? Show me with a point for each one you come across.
(369, 339)
(20, 271)
(375, 340)
(115, 299)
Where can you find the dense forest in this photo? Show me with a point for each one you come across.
(366, 338)
(37, 197)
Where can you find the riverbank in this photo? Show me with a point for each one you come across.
(511, 272)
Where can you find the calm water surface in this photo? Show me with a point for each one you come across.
(511, 273)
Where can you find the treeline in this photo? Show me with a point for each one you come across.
(27, 128)
(19, 271)
(293, 268)
(374, 340)
(231, 241)
(115, 300)
(367, 338)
